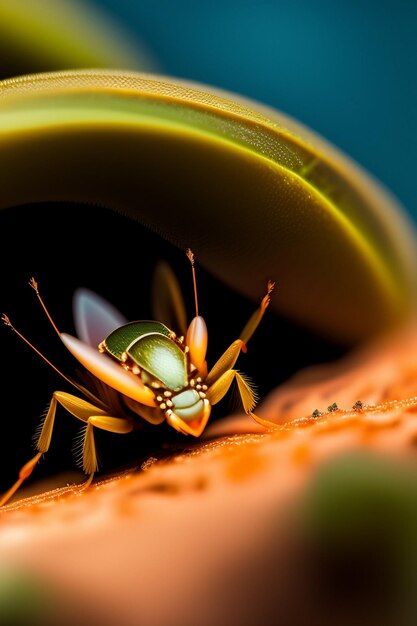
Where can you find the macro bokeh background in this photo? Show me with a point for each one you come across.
(347, 69)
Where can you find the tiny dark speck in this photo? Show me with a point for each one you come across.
(332, 407)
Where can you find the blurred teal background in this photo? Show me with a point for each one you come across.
(347, 69)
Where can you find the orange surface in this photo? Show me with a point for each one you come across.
(189, 539)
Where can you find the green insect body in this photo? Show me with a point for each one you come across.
(141, 370)
(162, 361)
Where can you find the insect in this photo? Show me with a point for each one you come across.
(141, 370)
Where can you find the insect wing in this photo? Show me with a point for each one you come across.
(167, 301)
(162, 358)
(121, 338)
(108, 371)
(94, 317)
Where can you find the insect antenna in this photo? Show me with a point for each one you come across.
(34, 284)
(190, 255)
(5, 318)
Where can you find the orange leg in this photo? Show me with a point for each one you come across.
(92, 416)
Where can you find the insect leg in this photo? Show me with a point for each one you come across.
(248, 396)
(256, 317)
(42, 446)
(24, 473)
(77, 407)
(117, 425)
(92, 416)
(226, 362)
(230, 356)
(222, 385)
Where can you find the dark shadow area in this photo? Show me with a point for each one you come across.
(65, 246)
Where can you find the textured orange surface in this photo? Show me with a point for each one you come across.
(189, 539)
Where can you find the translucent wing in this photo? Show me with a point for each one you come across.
(167, 301)
(109, 371)
(94, 317)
